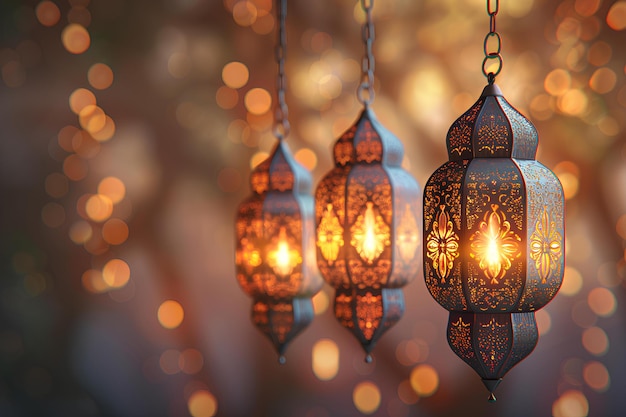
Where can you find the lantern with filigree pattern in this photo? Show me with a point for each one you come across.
(275, 247)
(368, 218)
(493, 236)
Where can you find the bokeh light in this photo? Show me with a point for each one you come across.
(75, 38)
(80, 232)
(235, 74)
(113, 188)
(92, 118)
(544, 321)
(572, 403)
(325, 359)
(93, 281)
(100, 76)
(202, 404)
(616, 17)
(115, 231)
(48, 13)
(170, 314)
(568, 173)
(99, 207)
(170, 362)
(107, 131)
(572, 282)
(81, 98)
(245, 13)
(226, 97)
(307, 158)
(321, 302)
(191, 361)
(116, 273)
(75, 168)
(602, 301)
(366, 397)
(596, 376)
(258, 101)
(595, 341)
(603, 80)
(424, 380)
(406, 393)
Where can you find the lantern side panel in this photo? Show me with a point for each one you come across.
(525, 337)
(369, 212)
(332, 237)
(545, 235)
(495, 224)
(492, 136)
(459, 137)
(406, 235)
(493, 343)
(525, 137)
(249, 244)
(281, 320)
(442, 256)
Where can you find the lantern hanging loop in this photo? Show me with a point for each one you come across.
(281, 116)
(365, 92)
(493, 43)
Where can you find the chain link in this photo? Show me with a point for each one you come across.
(281, 116)
(493, 43)
(365, 92)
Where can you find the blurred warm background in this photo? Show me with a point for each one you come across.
(128, 131)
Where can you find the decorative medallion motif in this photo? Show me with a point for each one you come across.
(442, 244)
(494, 245)
(330, 235)
(369, 313)
(545, 245)
(370, 234)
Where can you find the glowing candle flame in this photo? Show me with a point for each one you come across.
(283, 259)
(370, 234)
(370, 246)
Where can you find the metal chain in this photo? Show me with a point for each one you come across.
(365, 92)
(281, 116)
(493, 43)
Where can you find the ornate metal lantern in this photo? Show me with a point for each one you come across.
(367, 229)
(368, 219)
(493, 230)
(275, 234)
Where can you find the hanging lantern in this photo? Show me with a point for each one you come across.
(368, 221)
(275, 235)
(493, 233)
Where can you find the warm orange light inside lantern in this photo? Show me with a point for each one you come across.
(282, 258)
(495, 245)
(370, 234)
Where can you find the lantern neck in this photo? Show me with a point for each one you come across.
(491, 90)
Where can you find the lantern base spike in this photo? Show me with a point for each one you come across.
(282, 360)
(491, 385)
(368, 358)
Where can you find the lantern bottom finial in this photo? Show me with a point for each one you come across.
(491, 385)
(368, 358)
